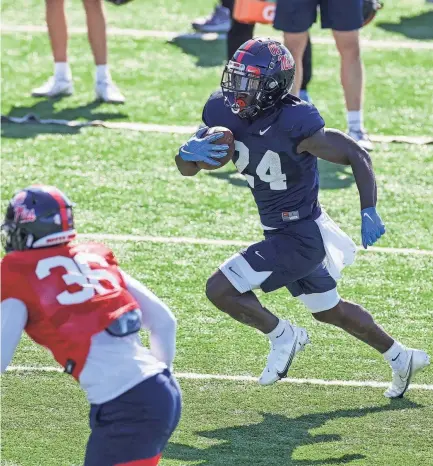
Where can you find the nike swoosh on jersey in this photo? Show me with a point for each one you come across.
(258, 254)
(262, 132)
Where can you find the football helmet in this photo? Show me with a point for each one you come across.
(259, 75)
(37, 216)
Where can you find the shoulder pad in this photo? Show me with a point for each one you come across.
(96, 248)
(299, 118)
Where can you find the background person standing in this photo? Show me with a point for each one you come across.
(61, 82)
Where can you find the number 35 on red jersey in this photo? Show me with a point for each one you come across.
(71, 293)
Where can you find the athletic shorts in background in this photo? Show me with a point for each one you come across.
(299, 15)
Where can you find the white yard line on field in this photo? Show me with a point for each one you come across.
(189, 129)
(227, 242)
(246, 378)
(170, 35)
(32, 118)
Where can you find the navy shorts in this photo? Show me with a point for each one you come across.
(135, 425)
(295, 257)
(299, 15)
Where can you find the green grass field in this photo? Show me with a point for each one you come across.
(125, 182)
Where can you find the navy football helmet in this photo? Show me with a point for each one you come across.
(259, 75)
(37, 216)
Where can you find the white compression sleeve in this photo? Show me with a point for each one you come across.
(157, 318)
(13, 321)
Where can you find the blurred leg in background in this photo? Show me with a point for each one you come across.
(61, 82)
(105, 89)
(218, 21)
(307, 68)
(352, 80)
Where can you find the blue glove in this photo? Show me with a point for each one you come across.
(201, 149)
(372, 226)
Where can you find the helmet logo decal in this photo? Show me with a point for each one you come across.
(285, 60)
(19, 198)
(24, 215)
(275, 49)
(21, 213)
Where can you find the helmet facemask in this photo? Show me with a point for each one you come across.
(14, 238)
(247, 91)
(241, 89)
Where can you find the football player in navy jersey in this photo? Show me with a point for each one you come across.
(278, 139)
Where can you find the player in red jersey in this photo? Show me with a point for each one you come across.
(76, 301)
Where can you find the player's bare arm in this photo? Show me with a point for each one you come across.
(336, 147)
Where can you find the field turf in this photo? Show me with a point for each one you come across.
(125, 182)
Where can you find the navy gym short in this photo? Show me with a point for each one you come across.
(136, 425)
(295, 256)
(299, 15)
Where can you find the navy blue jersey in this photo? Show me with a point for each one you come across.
(285, 184)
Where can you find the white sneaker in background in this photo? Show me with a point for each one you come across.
(109, 92)
(54, 87)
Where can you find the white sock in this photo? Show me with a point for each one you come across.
(396, 356)
(355, 120)
(280, 332)
(62, 70)
(102, 73)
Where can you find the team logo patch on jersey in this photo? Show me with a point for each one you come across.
(70, 366)
(290, 216)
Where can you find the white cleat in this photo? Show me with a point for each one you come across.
(416, 361)
(282, 354)
(109, 92)
(54, 87)
(362, 138)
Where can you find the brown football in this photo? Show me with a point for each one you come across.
(229, 139)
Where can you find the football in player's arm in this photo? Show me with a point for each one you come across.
(278, 139)
(76, 301)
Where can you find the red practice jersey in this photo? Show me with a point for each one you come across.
(71, 292)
